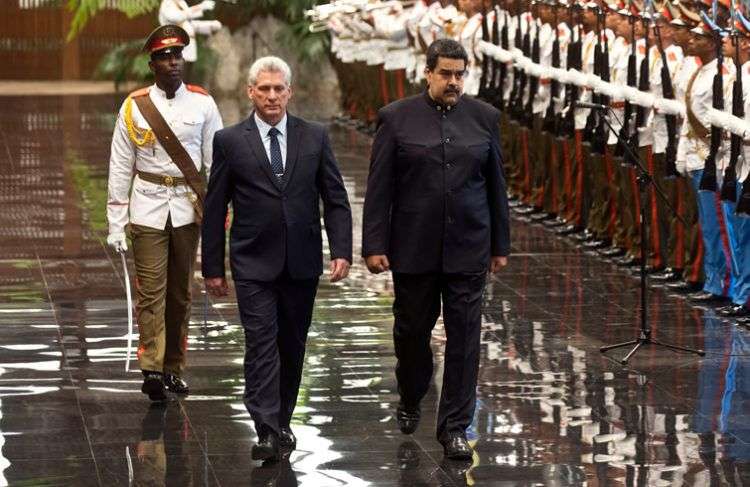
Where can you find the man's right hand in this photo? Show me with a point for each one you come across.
(217, 286)
(377, 263)
(118, 241)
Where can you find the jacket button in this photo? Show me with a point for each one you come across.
(450, 219)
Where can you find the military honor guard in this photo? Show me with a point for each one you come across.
(161, 154)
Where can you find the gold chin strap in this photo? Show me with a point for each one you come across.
(139, 136)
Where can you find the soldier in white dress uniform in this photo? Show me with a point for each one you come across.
(150, 194)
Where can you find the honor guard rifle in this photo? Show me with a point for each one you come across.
(589, 132)
(505, 44)
(729, 185)
(528, 110)
(708, 181)
(518, 106)
(631, 81)
(482, 93)
(644, 83)
(494, 66)
(567, 124)
(601, 133)
(550, 120)
(667, 91)
(519, 81)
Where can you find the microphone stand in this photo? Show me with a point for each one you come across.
(644, 181)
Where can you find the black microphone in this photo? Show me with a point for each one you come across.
(594, 106)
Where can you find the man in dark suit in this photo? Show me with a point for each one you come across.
(436, 215)
(274, 168)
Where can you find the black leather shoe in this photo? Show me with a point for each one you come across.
(407, 419)
(175, 384)
(524, 210)
(596, 244)
(153, 386)
(612, 252)
(704, 297)
(628, 261)
(668, 275)
(287, 440)
(456, 447)
(735, 311)
(585, 236)
(684, 287)
(267, 448)
(649, 270)
(542, 216)
(555, 222)
(569, 230)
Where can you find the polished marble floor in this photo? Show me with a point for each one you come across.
(551, 410)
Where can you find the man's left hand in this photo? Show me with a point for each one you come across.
(497, 263)
(339, 269)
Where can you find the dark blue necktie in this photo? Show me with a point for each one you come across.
(277, 163)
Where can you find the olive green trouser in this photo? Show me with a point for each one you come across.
(539, 153)
(600, 180)
(164, 262)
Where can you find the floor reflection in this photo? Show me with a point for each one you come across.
(551, 409)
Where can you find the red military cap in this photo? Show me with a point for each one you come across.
(166, 37)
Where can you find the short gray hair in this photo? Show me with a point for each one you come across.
(269, 63)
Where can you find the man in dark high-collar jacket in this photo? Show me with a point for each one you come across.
(436, 215)
(275, 169)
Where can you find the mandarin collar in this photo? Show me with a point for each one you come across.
(439, 106)
(163, 94)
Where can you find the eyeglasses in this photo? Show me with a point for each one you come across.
(448, 74)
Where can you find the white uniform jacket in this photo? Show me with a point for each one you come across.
(193, 117)
(693, 150)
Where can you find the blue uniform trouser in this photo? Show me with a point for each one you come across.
(717, 256)
(738, 229)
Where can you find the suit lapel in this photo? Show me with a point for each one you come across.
(252, 134)
(292, 146)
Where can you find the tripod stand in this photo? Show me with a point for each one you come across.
(644, 180)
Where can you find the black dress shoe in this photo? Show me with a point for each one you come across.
(569, 230)
(596, 244)
(628, 261)
(668, 275)
(542, 216)
(649, 270)
(175, 384)
(611, 252)
(585, 236)
(555, 222)
(267, 448)
(735, 311)
(153, 386)
(456, 447)
(684, 287)
(407, 419)
(705, 297)
(287, 440)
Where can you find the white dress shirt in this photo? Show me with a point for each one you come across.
(263, 128)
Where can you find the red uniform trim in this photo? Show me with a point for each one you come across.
(197, 89)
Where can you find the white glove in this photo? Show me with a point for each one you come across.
(207, 5)
(215, 25)
(118, 241)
